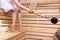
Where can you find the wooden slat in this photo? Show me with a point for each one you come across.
(40, 34)
(12, 36)
(41, 1)
(39, 37)
(48, 30)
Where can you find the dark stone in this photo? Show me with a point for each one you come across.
(57, 34)
(54, 20)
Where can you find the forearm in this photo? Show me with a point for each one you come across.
(20, 5)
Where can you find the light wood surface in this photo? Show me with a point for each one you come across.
(11, 36)
(38, 28)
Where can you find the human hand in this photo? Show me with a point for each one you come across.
(30, 11)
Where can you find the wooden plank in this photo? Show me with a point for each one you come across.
(4, 17)
(37, 19)
(45, 30)
(11, 36)
(41, 1)
(39, 37)
(41, 26)
(40, 34)
(39, 22)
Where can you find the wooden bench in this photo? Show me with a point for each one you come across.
(12, 36)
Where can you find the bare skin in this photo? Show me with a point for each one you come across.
(17, 13)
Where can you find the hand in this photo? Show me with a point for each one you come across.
(30, 11)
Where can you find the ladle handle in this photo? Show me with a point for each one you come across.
(45, 17)
(35, 12)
